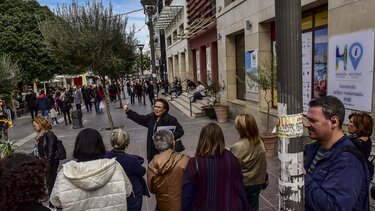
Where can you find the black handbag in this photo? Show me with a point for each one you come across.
(179, 147)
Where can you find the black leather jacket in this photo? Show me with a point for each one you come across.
(47, 147)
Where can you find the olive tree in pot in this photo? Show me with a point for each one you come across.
(221, 111)
(265, 79)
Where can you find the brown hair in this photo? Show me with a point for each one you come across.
(363, 122)
(120, 139)
(43, 123)
(211, 141)
(165, 103)
(247, 128)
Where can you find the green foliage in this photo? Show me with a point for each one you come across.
(90, 37)
(10, 74)
(266, 75)
(21, 39)
(6, 148)
(214, 89)
(266, 79)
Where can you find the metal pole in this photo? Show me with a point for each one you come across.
(152, 48)
(289, 83)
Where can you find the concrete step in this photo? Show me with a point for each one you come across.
(182, 103)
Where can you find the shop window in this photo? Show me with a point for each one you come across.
(314, 55)
(169, 41)
(175, 35)
(181, 28)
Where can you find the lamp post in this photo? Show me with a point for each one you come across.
(149, 7)
(140, 47)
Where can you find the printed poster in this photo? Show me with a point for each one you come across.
(306, 69)
(251, 66)
(351, 64)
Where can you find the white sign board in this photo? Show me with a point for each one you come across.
(350, 69)
(306, 69)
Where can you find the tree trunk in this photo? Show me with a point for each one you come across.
(106, 100)
(118, 91)
(13, 107)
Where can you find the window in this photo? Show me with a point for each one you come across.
(169, 41)
(175, 35)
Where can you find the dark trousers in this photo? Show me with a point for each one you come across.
(78, 106)
(132, 98)
(151, 97)
(196, 96)
(67, 113)
(33, 112)
(88, 105)
(252, 193)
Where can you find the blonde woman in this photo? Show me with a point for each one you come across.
(132, 165)
(251, 153)
(46, 147)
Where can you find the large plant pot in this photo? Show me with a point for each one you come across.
(270, 143)
(221, 113)
(210, 111)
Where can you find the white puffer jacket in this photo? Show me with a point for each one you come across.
(93, 185)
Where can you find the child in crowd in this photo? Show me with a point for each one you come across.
(53, 114)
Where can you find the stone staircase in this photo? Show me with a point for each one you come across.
(182, 103)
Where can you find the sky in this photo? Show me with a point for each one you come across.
(119, 6)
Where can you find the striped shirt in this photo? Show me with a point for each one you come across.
(319, 154)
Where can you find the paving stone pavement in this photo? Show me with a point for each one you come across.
(22, 133)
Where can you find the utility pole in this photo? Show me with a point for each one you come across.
(150, 9)
(289, 83)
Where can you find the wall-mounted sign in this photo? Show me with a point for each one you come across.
(251, 66)
(306, 69)
(350, 69)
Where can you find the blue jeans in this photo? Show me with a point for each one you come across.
(252, 193)
(97, 106)
(44, 113)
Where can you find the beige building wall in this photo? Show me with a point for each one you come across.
(177, 52)
(344, 16)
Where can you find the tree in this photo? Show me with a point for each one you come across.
(10, 76)
(266, 80)
(21, 39)
(89, 37)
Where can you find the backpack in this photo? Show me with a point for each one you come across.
(61, 152)
(355, 151)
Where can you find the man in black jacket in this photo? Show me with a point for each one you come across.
(31, 103)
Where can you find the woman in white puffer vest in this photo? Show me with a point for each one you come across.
(91, 182)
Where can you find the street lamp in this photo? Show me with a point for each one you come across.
(140, 46)
(149, 7)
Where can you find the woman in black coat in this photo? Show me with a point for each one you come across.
(152, 121)
(46, 147)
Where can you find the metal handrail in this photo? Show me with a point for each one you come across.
(191, 110)
(169, 85)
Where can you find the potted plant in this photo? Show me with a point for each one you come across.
(6, 148)
(221, 111)
(266, 81)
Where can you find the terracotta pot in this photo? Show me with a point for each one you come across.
(270, 143)
(210, 111)
(221, 113)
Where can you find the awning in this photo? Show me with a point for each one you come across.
(167, 16)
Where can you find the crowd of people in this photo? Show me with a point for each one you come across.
(215, 178)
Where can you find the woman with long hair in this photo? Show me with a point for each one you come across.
(46, 147)
(251, 153)
(91, 182)
(213, 179)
